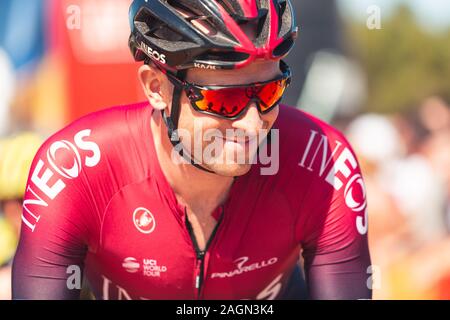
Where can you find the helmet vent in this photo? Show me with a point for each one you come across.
(230, 7)
(151, 26)
(168, 35)
(223, 56)
(284, 47)
(286, 19)
(200, 21)
(184, 9)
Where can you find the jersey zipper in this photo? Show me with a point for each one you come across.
(200, 255)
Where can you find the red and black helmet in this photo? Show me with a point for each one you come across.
(209, 34)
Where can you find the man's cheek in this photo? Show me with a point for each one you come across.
(270, 118)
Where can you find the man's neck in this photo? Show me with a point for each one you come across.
(197, 189)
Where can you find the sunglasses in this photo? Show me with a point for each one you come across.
(231, 101)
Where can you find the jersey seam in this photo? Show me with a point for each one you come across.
(111, 199)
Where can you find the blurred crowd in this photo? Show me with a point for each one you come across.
(16, 155)
(405, 157)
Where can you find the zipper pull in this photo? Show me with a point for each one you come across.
(197, 282)
(200, 255)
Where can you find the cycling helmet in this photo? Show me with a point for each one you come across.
(182, 34)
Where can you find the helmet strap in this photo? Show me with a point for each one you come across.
(172, 122)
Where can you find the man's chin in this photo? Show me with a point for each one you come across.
(230, 170)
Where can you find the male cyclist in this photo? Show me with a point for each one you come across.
(178, 197)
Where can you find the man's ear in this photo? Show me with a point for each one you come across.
(151, 81)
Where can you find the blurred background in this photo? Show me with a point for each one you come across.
(379, 70)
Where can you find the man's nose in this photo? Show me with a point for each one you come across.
(250, 121)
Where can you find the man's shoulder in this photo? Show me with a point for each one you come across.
(113, 121)
(110, 139)
(298, 125)
(105, 126)
(313, 152)
(323, 174)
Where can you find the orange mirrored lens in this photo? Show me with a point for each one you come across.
(231, 101)
(271, 94)
(226, 102)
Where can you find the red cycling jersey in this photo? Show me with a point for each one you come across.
(97, 200)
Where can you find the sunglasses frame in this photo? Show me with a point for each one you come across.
(193, 91)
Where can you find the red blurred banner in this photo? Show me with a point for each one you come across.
(90, 37)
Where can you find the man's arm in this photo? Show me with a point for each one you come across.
(48, 265)
(332, 229)
(49, 260)
(339, 275)
(337, 259)
(58, 282)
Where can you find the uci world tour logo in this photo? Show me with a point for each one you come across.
(144, 220)
(131, 265)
